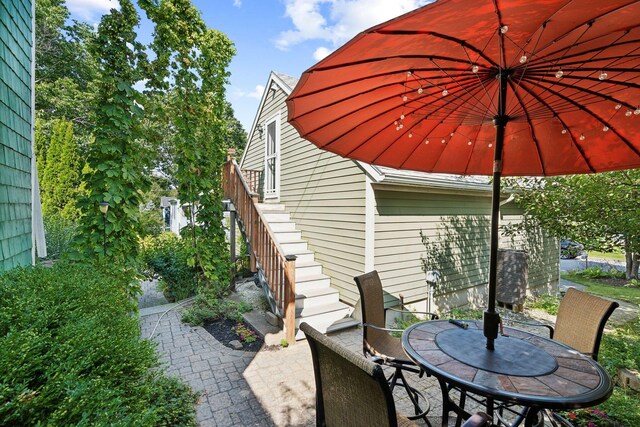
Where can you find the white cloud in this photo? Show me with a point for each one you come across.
(321, 53)
(91, 10)
(237, 3)
(336, 21)
(256, 93)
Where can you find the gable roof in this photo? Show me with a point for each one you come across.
(382, 174)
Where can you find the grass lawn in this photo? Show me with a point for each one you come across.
(613, 256)
(596, 286)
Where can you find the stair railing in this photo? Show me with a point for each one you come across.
(266, 254)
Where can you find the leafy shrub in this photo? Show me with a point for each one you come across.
(59, 233)
(621, 349)
(166, 256)
(597, 272)
(547, 303)
(71, 353)
(151, 221)
(206, 308)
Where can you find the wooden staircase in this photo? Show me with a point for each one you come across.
(316, 302)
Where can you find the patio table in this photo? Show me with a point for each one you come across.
(524, 369)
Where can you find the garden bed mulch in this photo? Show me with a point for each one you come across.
(222, 330)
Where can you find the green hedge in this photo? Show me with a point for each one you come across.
(71, 353)
(166, 256)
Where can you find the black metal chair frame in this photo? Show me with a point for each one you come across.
(397, 378)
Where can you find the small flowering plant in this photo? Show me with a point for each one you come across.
(245, 333)
(588, 417)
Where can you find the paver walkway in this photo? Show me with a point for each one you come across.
(267, 388)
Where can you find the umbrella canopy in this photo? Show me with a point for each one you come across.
(490, 87)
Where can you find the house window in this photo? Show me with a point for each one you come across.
(272, 158)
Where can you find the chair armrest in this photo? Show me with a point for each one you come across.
(432, 315)
(382, 329)
(533, 324)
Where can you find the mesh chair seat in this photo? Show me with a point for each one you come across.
(389, 348)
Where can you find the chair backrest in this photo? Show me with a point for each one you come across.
(350, 390)
(372, 304)
(581, 319)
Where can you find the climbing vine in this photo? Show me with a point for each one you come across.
(188, 74)
(115, 171)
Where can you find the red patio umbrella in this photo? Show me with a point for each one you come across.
(489, 87)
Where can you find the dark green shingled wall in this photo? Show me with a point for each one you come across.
(15, 133)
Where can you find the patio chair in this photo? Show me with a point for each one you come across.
(383, 347)
(352, 390)
(580, 321)
(579, 324)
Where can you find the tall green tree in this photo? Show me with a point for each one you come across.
(190, 70)
(66, 71)
(116, 159)
(601, 210)
(60, 183)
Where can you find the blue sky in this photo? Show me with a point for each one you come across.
(287, 36)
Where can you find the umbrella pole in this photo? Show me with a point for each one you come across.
(491, 319)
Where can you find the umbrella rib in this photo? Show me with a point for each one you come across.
(440, 36)
(503, 59)
(531, 127)
(600, 119)
(466, 168)
(458, 84)
(589, 22)
(592, 92)
(373, 76)
(401, 135)
(493, 105)
(541, 58)
(564, 125)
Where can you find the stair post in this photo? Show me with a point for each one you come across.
(253, 244)
(290, 297)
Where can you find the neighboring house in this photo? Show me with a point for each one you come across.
(173, 214)
(21, 227)
(357, 217)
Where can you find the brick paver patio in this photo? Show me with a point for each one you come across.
(267, 388)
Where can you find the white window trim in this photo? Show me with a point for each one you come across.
(273, 119)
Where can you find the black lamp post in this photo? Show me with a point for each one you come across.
(104, 207)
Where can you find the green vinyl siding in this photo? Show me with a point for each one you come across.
(458, 227)
(15, 133)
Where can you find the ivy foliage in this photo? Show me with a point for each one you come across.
(188, 74)
(116, 161)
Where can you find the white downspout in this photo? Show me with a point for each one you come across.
(37, 224)
(369, 225)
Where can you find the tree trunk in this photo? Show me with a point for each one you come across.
(632, 259)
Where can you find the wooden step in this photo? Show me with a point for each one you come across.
(276, 216)
(277, 226)
(324, 317)
(287, 236)
(292, 247)
(270, 206)
(304, 269)
(316, 281)
(316, 297)
(323, 314)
